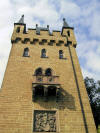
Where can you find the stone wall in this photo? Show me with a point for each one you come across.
(16, 105)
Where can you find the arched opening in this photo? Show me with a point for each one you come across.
(26, 52)
(48, 72)
(52, 91)
(43, 53)
(17, 39)
(60, 54)
(39, 90)
(38, 71)
(26, 40)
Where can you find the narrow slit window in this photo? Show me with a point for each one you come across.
(26, 52)
(68, 32)
(60, 54)
(43, 53)
(18, 29)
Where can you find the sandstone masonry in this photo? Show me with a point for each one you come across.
(43, 89)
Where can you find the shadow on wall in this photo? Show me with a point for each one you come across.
(65, 100)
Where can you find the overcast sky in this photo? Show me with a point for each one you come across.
(83, 15)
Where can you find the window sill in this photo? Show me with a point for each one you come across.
(63, 58)
(44, 57)
(26, 56)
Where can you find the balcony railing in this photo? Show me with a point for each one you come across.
(49, 80)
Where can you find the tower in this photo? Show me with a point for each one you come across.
(43, 89)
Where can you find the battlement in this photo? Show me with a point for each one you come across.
(37, 35)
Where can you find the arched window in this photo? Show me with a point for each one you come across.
(26, 52)
(60, 54)
(43, 53)
(18, 29)
(38, 72)
(48, 72)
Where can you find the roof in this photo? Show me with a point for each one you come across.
(65, 24)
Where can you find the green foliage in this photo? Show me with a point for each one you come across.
(93, 90)
(98, 130)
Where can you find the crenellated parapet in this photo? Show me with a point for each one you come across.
(33, 36)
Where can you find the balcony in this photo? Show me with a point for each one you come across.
(46, 80)
(45, 86)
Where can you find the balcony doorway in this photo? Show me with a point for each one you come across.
(39, 90)
(52, 91)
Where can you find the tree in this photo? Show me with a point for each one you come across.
(93, 90)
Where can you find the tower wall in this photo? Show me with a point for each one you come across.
(17, 108)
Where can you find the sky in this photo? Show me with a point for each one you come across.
(83, 15)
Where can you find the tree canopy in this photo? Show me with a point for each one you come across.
(93, 90)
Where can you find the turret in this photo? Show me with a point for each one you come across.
(69, 33)
(19, 28)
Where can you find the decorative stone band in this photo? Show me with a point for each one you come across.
(40, 41)
(50, 42)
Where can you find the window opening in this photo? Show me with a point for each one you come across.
(18, 29)
(51, 91)
(26, 40)
(26, 52)
(68, 32)
(18, 39)
(60, 54)
(39, 91)
(43, 53)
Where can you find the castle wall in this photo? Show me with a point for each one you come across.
(16, 105)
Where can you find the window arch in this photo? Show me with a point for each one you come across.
(38, 71)
(60, 54)
(26, 40)
(26, 52)
(48, 72)
(43, 53)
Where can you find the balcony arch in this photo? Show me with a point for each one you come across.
(39, 71)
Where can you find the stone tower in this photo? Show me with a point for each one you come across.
(43, 88)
